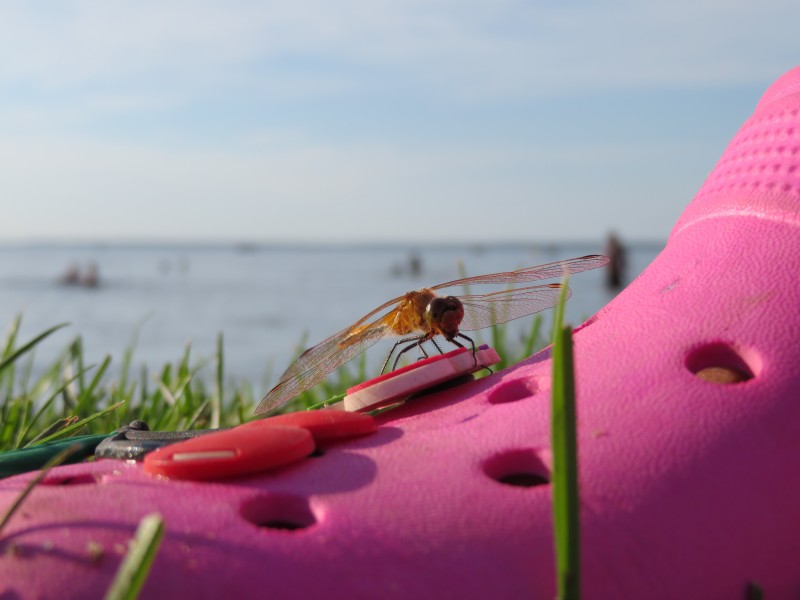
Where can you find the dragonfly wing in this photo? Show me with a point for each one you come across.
(548, 271)
(485, 310)
(315, 363)
(332, 344)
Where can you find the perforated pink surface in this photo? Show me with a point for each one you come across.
(689, 488)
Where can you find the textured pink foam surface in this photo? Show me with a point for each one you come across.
(689, 489)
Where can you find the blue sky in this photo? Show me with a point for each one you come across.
(373, 121)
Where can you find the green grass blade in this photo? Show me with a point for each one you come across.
(7, 376)
(87, 393)
(79, 424)
(500, 344)
(51, 430)
(532, 338)
(11, 337)
(76, 354)
(143, 387)
(216, 405)
(10, 358)
(328, 402)
(135, 567)
(121, 391)
(191, 421)
(566, 509)
(361, 373)
(21, 424)
(43, 408)
(558, 313)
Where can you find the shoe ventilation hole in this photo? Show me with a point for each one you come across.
(278, 512)
(720, 362)
(524, 479)
(80, 479)
(519, 467)
(511, 391)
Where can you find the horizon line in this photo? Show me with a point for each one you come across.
(253, 244)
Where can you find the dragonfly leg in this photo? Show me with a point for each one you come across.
(469, 339)
(415, 339)
(433, 341)
(474, 350)
(471, 343)
(417, 342)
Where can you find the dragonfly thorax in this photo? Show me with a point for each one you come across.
(444, 315)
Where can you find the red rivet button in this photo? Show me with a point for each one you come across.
(232, 452)
(325, 424)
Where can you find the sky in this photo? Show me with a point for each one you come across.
(347, 121)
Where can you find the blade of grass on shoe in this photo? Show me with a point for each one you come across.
(135, 567)
(566, 508)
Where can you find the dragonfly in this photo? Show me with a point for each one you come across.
(426, 315)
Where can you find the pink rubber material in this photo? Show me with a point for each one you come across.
(689, 488)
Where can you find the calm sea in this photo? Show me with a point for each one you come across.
(263, 299)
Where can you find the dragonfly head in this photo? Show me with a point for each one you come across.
(443, 315)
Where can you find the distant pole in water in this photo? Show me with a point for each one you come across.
(617, 254)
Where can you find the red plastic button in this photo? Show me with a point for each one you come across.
(325, 424)
(230, 453)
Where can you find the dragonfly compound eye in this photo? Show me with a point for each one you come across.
(445, 314)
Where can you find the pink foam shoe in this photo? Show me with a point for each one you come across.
(689, 431)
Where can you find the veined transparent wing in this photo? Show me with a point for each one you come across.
(485, 310)
(315, 363)
(548, 271)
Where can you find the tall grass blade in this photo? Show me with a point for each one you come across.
(191, 421)
(76, 354)
(11, 336)
(121, 391)
(135, 567)
(566, 509)
(42, 409)
(7, 376)
(216, 404)
(15, 354)
(87, 393)
(530, 342)
(79, 424)
(52, 429)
